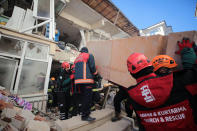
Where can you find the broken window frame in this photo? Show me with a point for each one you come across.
(15, 70)
(21, 58)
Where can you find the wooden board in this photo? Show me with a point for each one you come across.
(111, 55)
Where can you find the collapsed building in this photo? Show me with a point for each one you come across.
(28, 55)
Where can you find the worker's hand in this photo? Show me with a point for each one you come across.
(184, 44)
(97, 77)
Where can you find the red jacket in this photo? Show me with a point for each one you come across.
(85, 69)
(163, 103)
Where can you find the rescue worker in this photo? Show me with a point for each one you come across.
(63, 90)
(121, 95)
(51, 94)
(74, 108)
(85, 72)
(162, 103)
(96, 95)
(164, 64)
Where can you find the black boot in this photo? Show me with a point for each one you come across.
(87, 118)
(116, 117)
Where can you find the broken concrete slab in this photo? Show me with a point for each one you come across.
(37, 126)
(8, 112)
(18, 122)
(9, 127)
(26, 114)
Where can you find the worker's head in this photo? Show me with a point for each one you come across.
(52, 78)
(84, 49)
(137, 62)
(163, 64)
(65, 66)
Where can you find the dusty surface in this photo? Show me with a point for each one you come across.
(114, 126)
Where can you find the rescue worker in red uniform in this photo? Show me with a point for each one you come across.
(121, 95)
(164, 64)
(85, 72)
(63, 90)
(74, 94)
(51, 94)
(161, 102)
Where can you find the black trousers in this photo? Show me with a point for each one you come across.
(119, 97)
(86, 93)
(63, 99)
(75, 101)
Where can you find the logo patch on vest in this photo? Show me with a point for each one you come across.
(146, 93)
(178, 116)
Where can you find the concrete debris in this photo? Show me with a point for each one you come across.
(18, 122)
(13, 118)
(37, 126)
(9, 113)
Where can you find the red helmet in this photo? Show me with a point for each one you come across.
(65, 65)
(136, 62)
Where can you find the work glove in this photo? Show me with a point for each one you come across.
(97, 77)
(184, 44)
(186, 50)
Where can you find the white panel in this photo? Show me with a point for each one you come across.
(15, 22)
(29, 20)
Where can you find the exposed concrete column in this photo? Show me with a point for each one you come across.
(83, 39)
(87, 35)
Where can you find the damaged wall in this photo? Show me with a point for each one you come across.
(111, 55)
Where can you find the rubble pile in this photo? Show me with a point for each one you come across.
(16, 115)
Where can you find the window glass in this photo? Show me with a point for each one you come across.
(155, 31)
(11, 46)
(43, 9)
(32, 77)
(37, 51)
(7, 71)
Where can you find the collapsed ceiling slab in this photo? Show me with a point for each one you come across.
(108, 10)
(68, 30)
(86, 18)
